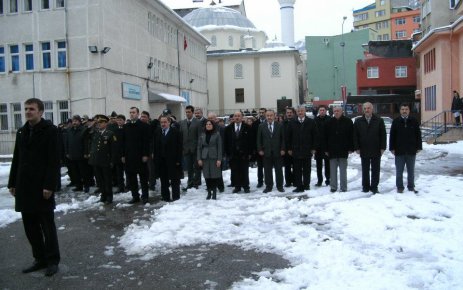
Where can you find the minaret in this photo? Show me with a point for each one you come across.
(287, 21)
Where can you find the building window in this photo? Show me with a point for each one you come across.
(48, 112)
(27, 5)
(230, 41)
(14, 53)
(382, 2)
(430, 61)
(400, 21)
(213, 41)
(3, 117)
(430, 98)
(46, 55)
(379, 37)
(63, 111)
(400, 71)
(17, 116)
(275, 69)
(13, 6)
(400, 34)
(416, 19)
(382, 24)
(386, 36)
(45, 4)
(416, 30)
(380, 13)
(361, 17)
(242, 44)
(239, 95)
(59, 3)
(29, 56)
(238, 71)
(2, 59)
(61, 48)
(372, 72)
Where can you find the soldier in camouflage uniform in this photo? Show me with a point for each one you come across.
(102, 154)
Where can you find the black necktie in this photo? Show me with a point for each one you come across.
(188, 123)
(164, 132)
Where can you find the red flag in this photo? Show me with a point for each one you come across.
(185, 44)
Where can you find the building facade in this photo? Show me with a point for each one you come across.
(93, 57)
(404, 22)
(325, 69)
(435, 14)
(375, 16)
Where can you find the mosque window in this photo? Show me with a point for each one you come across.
(230, 41)
(238, 71)
(213, 40)
(275, 69)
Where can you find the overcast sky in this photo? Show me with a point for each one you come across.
(311, 17)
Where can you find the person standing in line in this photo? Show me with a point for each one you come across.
(339, 144)
(135, 155)
(209, 155)
(302, 141)
(271, 147)
(320, 157)
(370, 143)
(118, 171)
(190, 129)
(167, 155)
(405, 142)
(32, 182)
(75, 151)
(102, 157)
(200, 116)
(221, 130)
(287, 159)
(238, 142)
(457, 107)
(259, 159)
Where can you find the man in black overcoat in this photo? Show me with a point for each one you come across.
(259, 159)
(135, 155)
(320, 157)
(32, 182)
(167, 155)
(287, 159)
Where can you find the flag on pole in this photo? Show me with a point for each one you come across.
(185, 44)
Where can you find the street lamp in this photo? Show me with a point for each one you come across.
(343, 87)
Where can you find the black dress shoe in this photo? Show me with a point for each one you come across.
(267, 190)
(97, 191)
(221, 189)
(102, 200)
(86, 189)
(134, 200)
(365, 189)
(333, 190)
(288, 185)
(280, 189)
(318, 184)
(230, 185)
(108, 201)
(307, 187)
(144, 200)
(51, 270)
(327, 182)
(185, 188)
(413, 190)
(247, 190)
(77, 189)
(35, 267)
(236, 190)
(298, 190)
(259, 185)
(374, 191)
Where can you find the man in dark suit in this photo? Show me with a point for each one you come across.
(405, 143)
(271, 146)
(32, 182)
(190, 129)
(370, 143)
(102, 157)
(238, 148)
(287, 159)
(135, 155)
(320, 157)
(259, 159)
(118, 170)
(75, 148)
(167, 155)
(302, 141)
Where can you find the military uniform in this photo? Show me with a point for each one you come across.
(102, 157)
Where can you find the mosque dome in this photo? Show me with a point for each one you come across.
(218, 16)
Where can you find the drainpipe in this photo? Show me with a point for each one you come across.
(68, 78)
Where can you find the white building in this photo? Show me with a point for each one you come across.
(99, 56)
(242, 72)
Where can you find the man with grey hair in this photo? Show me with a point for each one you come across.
(338, 139)
(370, 143)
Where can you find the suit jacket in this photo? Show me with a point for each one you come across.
(169, 148)
(370, 139)
(75, 145)
(190, 134)
(339, 137)
(34, 167)
(302, 138)
(135, 144)
(238, 146)
(271, 143)
(405, 136)
(211, 150)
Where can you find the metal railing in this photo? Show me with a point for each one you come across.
(437, 126)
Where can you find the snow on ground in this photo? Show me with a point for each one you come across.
(333, 241)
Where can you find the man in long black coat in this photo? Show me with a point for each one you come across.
(75, 148)
(320, 157)
(32, 182)
(370, 143)
(238, 147)
(167, 155)
(135, 155)
(302, 141)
